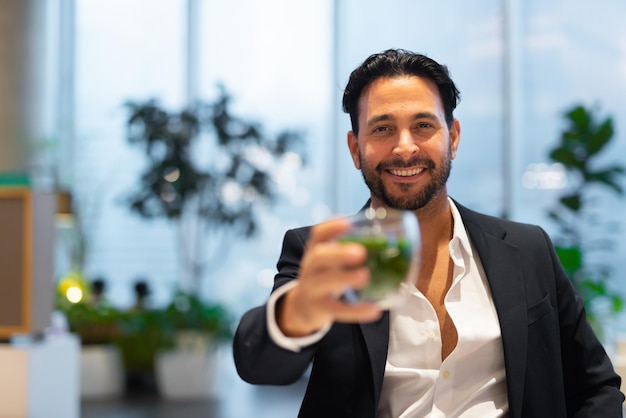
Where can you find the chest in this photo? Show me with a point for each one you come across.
(434, 282)
(422, 371)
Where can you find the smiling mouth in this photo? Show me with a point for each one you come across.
(406, 173)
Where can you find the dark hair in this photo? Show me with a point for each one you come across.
(394, 63)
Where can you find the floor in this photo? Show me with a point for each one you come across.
(233, 398)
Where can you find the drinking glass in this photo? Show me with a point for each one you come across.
(393, 243)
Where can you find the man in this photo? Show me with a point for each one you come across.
(491, 328)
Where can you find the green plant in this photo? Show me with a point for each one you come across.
(142, 334)
(208, 170)
(94, 324)
(188, 312)
(187, 322)
(581, 229)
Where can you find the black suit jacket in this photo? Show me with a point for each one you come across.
(555, 366)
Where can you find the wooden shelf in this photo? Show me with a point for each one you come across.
(26, 260)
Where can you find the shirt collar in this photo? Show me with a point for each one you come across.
(459, 233)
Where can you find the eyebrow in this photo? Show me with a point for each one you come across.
(417, 116)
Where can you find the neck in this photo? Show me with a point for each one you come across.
(435, 221)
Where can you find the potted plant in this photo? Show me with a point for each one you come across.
(581, 229)
(209, 172)
(187, 366)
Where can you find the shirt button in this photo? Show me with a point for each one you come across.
(446, 374)
(430, 334)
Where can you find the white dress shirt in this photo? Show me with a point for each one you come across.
(470, 382)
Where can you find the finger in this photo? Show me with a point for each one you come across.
(334, 283)
(328, 230)
(332, 255)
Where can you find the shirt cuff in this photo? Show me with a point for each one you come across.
(277, 336)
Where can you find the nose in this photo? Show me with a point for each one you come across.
(406, 145)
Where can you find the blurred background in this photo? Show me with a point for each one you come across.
(186, 136)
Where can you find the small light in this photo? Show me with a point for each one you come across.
(370, 213)
(172, 174)
(74, 294)
(381, 213)
(168, 193)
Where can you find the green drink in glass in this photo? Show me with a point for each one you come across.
(392, 240)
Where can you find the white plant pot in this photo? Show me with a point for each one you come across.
(101, 372)
(186, 374)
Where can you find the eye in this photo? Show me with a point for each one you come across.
(381, 130)
(424, 125)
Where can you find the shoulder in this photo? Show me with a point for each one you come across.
(295, 239)
(523, 235)
(495, 225)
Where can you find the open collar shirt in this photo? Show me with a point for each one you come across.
(471, 381)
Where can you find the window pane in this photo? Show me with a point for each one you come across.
(125, 50)
(278, 70)
(468, 39)
(575, 55)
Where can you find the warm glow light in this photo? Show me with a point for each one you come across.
(172, 175)
(74, 294)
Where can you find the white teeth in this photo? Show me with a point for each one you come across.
(406, 173)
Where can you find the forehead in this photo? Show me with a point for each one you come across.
(389, 95)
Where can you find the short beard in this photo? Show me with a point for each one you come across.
(439, 173)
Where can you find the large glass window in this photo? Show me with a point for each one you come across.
(287, 70)
(575, 55)
(277, 70)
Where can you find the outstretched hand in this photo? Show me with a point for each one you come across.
(327, 269)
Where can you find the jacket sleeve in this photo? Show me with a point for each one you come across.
(257, 358)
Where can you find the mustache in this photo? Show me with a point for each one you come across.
(399, 163)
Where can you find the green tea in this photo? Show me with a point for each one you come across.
(389, 262)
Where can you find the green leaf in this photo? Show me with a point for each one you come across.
(617, 304)
(601, 137)
(571, 258)
(572, 202)
(565, 156)
(580, 117)
(607, 177)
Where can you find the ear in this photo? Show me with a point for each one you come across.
(455, 137)
(353, 146)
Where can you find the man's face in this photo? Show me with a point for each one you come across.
(404, 147)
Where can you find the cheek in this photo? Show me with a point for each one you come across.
(370, 156)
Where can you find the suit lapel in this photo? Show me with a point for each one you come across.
(502, 266)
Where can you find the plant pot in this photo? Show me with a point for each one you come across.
(186, 374)
(101, 372)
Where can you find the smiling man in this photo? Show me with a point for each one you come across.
(489, 327)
